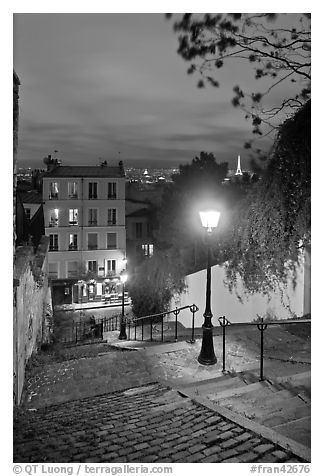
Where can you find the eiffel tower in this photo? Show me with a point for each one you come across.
(238, 170)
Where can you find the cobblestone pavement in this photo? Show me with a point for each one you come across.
(58, 382)
(151, 423)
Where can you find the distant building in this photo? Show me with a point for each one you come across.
(142, 202)
(30, 217)
(139, 233)
(84, 212)
(32, 202)
(150, 176)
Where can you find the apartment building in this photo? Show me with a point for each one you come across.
(84, 214)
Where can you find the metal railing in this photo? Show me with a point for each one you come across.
(110, 323)
(139, 324)
(152, 319)
(82, 332)
(261, 326)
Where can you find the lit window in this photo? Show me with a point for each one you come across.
(54, 216)
(147, 250)
(53, 190)
(111, 266)
(73, 216)
(73, 242)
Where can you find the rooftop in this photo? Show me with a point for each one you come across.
(85, 171)
(139, 213)
(31, 196)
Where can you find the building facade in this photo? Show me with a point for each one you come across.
(84, 213)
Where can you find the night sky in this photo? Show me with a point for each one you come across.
(109, 86)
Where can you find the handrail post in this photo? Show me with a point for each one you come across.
(162, 328)
(224, 322)
(224, 348)
(176, 312)
(262, 327)
(142, 329)
(193, 309)
(151, 330)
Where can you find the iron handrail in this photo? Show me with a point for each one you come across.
(134, 322)
(261, 326)
(111, 323)
(278, 322)
(161, 313)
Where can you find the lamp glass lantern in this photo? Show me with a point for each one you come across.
(123, 277)
(209, 219)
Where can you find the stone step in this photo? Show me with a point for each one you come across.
(300, 384)
(261, 389)
(289, 410)
(258, 408)
(273, 370)
(276, 371)
(212, 381)
(299, 430)
(218, 386)
(249, 377)
(257, 397)
(299, 379)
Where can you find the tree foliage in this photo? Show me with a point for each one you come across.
(154, 283)
(180, 231)
(276, 46)
(273, 222)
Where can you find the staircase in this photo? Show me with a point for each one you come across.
(281, 402)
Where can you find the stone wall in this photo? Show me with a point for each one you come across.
(33, 315)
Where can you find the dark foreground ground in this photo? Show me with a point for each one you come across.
(101, 403)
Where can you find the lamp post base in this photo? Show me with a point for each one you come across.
(122, 335)
(207, 355)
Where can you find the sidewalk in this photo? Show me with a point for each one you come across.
(90, 305)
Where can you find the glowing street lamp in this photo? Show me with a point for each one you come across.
(122, 334)
(209, 220)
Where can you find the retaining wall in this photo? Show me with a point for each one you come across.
(32, 309)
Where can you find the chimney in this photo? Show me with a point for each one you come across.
(121, 168)
(51, 163)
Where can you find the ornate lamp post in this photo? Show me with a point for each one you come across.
(122, 334)
(209, 220)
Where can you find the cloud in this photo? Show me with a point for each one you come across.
(96, 85)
